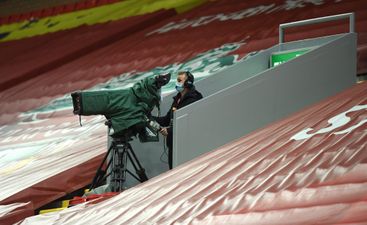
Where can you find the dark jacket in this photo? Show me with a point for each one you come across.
(191, 96)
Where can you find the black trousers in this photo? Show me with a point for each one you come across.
(169, 143)
(164, 122)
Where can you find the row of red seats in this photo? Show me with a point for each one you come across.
(24, 59)
(56, 10)
(143, 53)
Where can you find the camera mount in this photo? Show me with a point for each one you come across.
(117, 157)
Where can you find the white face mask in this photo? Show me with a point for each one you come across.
(179, 87)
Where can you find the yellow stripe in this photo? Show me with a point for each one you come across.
(92, 16)
(51, 210)
(65, 204)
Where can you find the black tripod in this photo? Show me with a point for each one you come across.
(121, 152)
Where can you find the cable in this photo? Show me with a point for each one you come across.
(164, 143)
(164, 152)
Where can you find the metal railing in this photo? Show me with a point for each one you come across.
(315, 21)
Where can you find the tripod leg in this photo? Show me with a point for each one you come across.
(112, 183)
(100, 173)
(119, 168)
(121, 153)
(123, 167)
(140, 171)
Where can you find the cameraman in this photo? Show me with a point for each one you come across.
(187, 94)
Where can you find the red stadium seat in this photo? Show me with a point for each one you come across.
(102, 2)
(25, 16)
(90, 4)
(3, 20)
(47, 12)
(14, 18)
(58, 10)
(36, 14)
(69, 8)
(80, 5)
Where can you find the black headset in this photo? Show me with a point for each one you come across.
(189, 82)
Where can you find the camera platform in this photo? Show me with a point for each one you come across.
(117, 157)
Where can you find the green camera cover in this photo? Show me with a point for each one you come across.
(126, 107)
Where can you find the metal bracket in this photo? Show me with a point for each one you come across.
(317, 20)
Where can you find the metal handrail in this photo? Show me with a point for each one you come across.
(317, 20)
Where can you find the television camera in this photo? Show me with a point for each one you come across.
(128, 114)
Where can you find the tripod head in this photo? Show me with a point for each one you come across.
(125, 137)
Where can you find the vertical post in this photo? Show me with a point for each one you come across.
(281, 35)
(351, 23)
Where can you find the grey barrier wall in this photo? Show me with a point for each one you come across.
(252, 66)
(256, 95)
(188, 146)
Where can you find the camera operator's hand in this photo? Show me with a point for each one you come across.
(164, 132)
